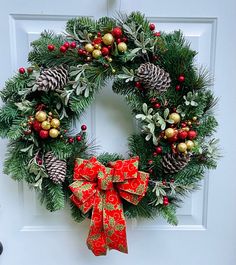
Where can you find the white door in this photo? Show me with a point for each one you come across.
(206, 234)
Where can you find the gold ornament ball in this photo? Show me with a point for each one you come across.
(182, 147)
(175, 117)
(122, 47)
(169, 132)
(97, 54)
(190, 144)
(53, 133)
(89, 47)
(40, 116)
(55, 123)
(194, 118)
(108, 39)
(46, 125)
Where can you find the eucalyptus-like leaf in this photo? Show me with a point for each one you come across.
(166, 113)
(145, 108)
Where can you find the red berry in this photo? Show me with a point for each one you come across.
(84, 52)
(118, 40)
(80, 51)
(73, 45)
(181, 78)
(153, 100)
(192, 135)
(182, 135)
(172, 181)
(117, 32)
(177, 88)
(150, 162)
(164, 182)
(157, 34)
(173, 139)
(97, 40)
(79, 138)
(138, 84)
(105, 51)
(21, 70)
(71, 140)
(109, 47)
(125, 39)
(66, 45)
(183, 124)
(43, 134)
(99, 34)
(63, 49)
(83, 127)
(154, 153)
(37, 126)
(152, 26)
(158, 150)
(157, 105)
(150, 170)
(39, 161)
(51, 47)
(165, 200)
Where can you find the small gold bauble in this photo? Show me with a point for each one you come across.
(96, 54)
(169, 132)
(190, 144)
(182, 147)
(122, 47)
(55, 123)
(96, 46)
(108, 39)
(189, 122)
(53, 133)
(194, 118)
(50, 113)
(113, 71)
(175, 117)
(89, 47)
(109, 59)
(88, 59)
(46, 125)
(40, 116)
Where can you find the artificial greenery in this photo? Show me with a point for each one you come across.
(87, 75)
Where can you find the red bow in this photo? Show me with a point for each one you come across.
(102, 188)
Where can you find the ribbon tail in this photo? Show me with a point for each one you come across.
(96, 240)
(114, 222)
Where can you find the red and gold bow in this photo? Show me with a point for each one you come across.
(102, 188)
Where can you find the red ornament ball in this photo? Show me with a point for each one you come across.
(43, 134)
(21, 70)
(66, 44)
(158, 150)
(192, 135)
(79, 138)
(182, 135)
(37, 126)
(157, 105)
(63, 49)
(117, 32)
(83, 127)
(51, 47)
(173, 138)
(181, 78)
(80, 51)
(73, 45)
(178, 88)
(71, 140)
(152, 26)
(105, 51)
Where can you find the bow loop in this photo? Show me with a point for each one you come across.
(101, 188)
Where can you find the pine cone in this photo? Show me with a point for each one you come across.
(153, 77)
(52, 78)
(172, 163)
(56, 168)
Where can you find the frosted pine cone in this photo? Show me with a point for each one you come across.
(153, 77)
(56, 168)
(172, 163)
(52, 78)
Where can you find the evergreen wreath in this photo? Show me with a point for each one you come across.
(156, 74)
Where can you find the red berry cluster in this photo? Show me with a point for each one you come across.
(181, 79)
(78, 137)
(63, 47)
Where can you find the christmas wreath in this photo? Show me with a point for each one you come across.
(168, 95)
